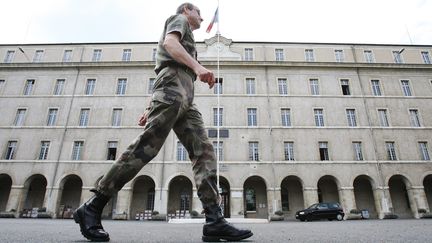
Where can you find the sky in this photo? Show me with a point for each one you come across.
(317, 21)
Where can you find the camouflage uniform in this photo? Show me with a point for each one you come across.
(171, 108)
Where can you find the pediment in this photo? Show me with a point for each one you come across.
(222, 45)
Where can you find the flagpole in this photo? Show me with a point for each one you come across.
(218, 103)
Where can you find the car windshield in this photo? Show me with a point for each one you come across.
(313, 206)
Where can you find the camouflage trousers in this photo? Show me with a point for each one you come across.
(171, 108)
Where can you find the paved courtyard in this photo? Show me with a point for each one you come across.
(53, 230)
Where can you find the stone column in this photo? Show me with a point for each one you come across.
(382, 201)
(237, 204)
(274, 200)
(347, 198)
(310, 195)
(16, 196)
(418, 200)
(161, 200)
(123, 203)
(196, 202)
(52, 200)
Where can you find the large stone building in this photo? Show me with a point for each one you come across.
(300, 123)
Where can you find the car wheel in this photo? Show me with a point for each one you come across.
(339, 217)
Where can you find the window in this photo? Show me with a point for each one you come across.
(309, 55)
(414, 117)
(218, 149)
(38, 56)
(97, 55)
(283, 86)
(9, 56)
(314, 86)
(52, 117)
(253, 151)
(250, 86)
(218, 116)
(121, 86)
(218, 88)
(154, 54)
(150, 199)
(67, 56)
(28, 88)
(248, 54)
(116, 117)
(2, 84)
(323, 150)
(181, 152)
(426, 57)
(383, 117)
(289, 150)
(376, 87)
(112, 150)
(252, 116)
(369, 57)
(424, 151)
(391, 151)
(345, 87)
(319, 117)
(397, 56)
(351, 117)
(43, 154)
(279, 53)
(11, 150)
(285, 199)
(151, 85)
(90, 86)
(59, 86)
(19, 118)
(406, 87)
(126, 55)
(184, 201)
(84, 117)
(358, 153)
(77, 150)
(250, 198)
(339, 55)
(286, 117)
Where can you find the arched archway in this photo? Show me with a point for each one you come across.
(5, 188)
(363, 193)
(328, 189)
(255, 198)
(70, 194)
(400, 198)
(225, 196)
(179, 197)
(143, 198)
(427, 184)
(34, 189)
(291, 195)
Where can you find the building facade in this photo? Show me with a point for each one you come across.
(300, 123)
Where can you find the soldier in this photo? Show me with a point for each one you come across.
(171, 107)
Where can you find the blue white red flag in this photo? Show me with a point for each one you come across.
(214, 20)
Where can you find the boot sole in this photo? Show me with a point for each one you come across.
(77, 219)
(227, 238)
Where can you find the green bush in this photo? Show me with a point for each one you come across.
(355, 211)
(422, 210)
(155, 213)
(279, 213)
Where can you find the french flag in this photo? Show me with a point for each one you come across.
(214, 20)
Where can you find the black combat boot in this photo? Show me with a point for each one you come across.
(217, 228)
(88, 216)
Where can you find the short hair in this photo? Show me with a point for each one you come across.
(180, 8)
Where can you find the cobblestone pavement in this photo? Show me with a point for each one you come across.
(53, 230)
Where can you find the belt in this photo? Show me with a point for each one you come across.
(180, 66)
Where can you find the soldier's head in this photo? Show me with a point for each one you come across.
(192, 13)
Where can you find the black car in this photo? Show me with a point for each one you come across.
(328, 211)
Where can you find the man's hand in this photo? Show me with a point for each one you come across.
(206, 76)
(143, 119)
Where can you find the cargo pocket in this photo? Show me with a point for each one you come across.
(165, 96)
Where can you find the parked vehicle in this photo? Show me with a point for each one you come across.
(328, 210)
